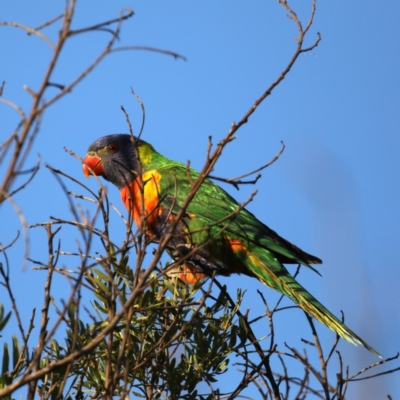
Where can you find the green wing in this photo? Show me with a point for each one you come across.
(216, 208)
(265, 250)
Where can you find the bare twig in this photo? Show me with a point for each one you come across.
(238, 180)
(29, 30)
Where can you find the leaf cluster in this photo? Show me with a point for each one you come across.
(173, 337)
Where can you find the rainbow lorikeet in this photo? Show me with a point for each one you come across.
(227, 238)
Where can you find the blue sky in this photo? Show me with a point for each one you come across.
(335, 192)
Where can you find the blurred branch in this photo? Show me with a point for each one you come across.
(45, 310)
(353, 378)
(48, 23)
(149, 48)
(27, 130)
(299, 50)
(2, 88)
(30, 31)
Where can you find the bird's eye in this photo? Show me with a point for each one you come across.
(112, 147)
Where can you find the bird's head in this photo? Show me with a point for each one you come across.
(115, 158)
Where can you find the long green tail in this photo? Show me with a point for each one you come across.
(273, 274)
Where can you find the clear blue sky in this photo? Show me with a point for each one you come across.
(335, 192)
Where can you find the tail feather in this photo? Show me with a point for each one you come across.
(273, 274)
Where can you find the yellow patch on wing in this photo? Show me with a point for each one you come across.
(237, 245)
(242, 252)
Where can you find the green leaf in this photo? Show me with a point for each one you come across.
(71, 311)
(95, 376)
(242, 330)
(55, 347)
(170, 286)
(16, 350)
(101, 275)
(6, 359)
(3, 321)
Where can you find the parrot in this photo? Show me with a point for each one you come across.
(215, 235)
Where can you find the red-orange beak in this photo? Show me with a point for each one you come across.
(95, 164)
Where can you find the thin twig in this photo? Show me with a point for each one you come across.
(238, 180)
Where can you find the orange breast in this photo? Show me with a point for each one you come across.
(143, 203)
